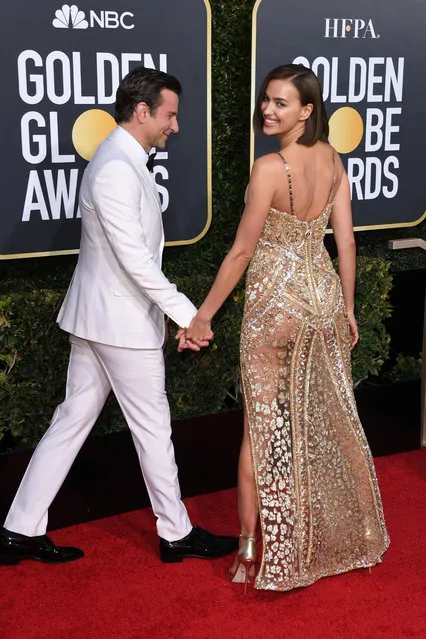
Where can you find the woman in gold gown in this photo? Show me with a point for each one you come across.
(305, 469)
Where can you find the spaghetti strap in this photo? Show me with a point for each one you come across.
(290, 186)
(333, 182)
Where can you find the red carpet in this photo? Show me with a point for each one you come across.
(121, 590)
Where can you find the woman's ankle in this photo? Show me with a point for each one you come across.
(247, 533)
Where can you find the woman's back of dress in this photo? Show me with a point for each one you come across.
(312, 174)
(320, 507)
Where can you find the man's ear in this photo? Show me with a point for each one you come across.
(142, 112)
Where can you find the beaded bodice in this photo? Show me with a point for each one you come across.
(291, 253)
(285, 231)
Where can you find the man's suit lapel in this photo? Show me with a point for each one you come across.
(148, 178)
(135, 153)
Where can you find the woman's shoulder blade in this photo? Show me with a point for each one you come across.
(267, 165)
(268, 160)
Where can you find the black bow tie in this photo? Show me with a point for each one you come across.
(150, 163)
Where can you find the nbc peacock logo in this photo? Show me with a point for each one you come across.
(70, 17)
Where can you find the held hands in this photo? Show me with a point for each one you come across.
(197, 335)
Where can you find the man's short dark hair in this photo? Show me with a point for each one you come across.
(142, 85)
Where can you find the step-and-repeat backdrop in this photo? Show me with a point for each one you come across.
(60, 67)
(371, 59)
(61, 64)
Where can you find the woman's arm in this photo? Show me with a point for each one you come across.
(260, 194)
(341, 222)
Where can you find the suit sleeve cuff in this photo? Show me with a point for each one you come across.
(185, 317)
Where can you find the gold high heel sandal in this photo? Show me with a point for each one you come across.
(246, 558)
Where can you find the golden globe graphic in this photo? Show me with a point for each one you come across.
(90, 129)
(346, 129)
(368, 60)
(62, 67)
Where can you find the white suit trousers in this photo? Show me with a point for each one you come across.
(137, 378)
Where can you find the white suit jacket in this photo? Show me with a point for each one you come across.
(118, 294)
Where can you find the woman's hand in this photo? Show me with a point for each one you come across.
(353, 328)
(200, 329)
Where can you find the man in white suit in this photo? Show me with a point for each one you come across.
(115, 312)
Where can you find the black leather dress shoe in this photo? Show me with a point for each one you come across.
(199, 543)
(15, 547)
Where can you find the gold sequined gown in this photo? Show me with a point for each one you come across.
(319, 502)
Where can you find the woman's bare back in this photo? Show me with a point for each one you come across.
(307, 179)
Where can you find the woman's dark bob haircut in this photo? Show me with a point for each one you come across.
(307, 83)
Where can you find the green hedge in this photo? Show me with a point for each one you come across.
(34, 354)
